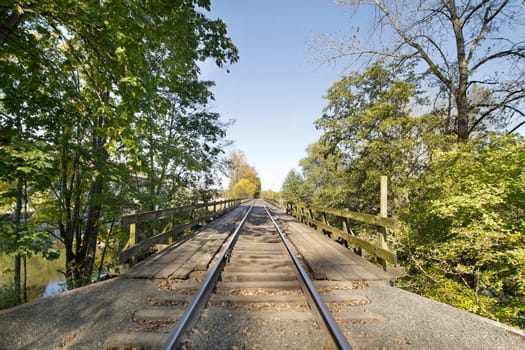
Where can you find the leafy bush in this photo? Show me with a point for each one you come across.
(466, 239)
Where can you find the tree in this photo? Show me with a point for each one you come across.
(369, 131)
(463, 44)
(293, 187)
(22, 164)
(241, 170)
(466, 229)
(92, 78)
(460, 205)
(244, 188)
(269, 194)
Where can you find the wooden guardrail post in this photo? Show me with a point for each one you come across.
(348, 230)
(311, 213)
(171, 225)
(132, 235)
(381, 222)
(383, 212)
(304, 220)
(325, 220)
(134, 229)
(133, 232)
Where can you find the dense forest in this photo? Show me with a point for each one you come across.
(102, 111)
(438, 110)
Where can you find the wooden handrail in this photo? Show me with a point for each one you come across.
(136, 218)
(132, 249)
(365, 218)
(305, 214)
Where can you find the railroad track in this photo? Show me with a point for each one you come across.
(256, 295)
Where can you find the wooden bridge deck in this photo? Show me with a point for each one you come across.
(325, 258)
(193, 254)
(86, 317)
(329, 260)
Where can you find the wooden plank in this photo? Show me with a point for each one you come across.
(313, 254)
(328, 259)
(250, 268)
(256, 254)
(381, 252)
(146, 271)
(149, 242)
(350, 299)
(157, 214)
(174, 257)
(136, 340)
(327, 251)
(129, 253)
(165, 314)
(195, 256)
(366, 218)
(266, 315)
(217, 299)
(181, 261)
(286, 285)
(204, 246)
(171, 299)
(369, 272)
(358, 316)
(154, 214)
(229, 276)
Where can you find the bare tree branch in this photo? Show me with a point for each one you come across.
(517, 126)
(519, 52)
(454, 39)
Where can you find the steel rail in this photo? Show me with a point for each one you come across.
(314, 299)
(192, 313)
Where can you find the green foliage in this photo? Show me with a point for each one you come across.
(244, 181)
(29, 242)
(462, 204)
(269, 194)
(7, 295)
(368, 132)
(107, 95)
(293, 187)
(244, 188)
(325, 176)
(471, 202)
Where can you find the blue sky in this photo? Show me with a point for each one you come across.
(275, 92)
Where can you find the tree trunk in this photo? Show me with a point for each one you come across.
(25, 279)
(460, 93)
(89, 244)
(86, 257)
(64, 214)
(462, 127)
(18, 280)
(18, 258)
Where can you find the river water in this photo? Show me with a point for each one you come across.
(44, 278)
(54, 287)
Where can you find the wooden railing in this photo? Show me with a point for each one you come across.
(279, 203)
(344, 225)
(166, 225)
